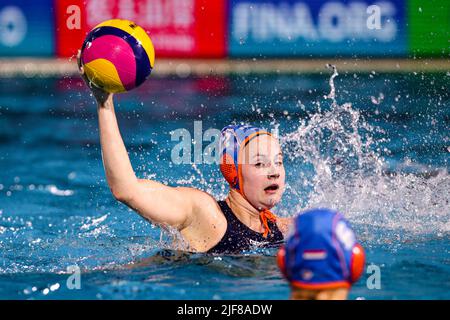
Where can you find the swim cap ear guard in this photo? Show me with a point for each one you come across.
(229, 170)
(315, 257)
(357, 262)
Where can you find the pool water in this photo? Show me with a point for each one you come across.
(378, 152)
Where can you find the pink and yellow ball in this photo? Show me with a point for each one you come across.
(117, 55)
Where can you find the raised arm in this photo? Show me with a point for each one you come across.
(154, 201)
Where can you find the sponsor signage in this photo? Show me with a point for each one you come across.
(317, 28)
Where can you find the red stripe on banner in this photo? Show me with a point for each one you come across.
(211, 28)
(71, 28)
(178, 28)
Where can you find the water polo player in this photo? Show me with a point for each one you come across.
(252, 164)
(321, 258)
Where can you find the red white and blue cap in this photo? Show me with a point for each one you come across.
(321, 252)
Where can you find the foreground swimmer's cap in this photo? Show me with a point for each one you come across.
(233, 140)
(321, 252)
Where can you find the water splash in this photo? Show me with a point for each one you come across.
(332, 94)
(340, 165)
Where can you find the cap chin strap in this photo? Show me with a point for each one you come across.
(264, 215)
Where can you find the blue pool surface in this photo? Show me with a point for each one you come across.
(379, 155)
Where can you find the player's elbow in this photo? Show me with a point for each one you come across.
(121, 194)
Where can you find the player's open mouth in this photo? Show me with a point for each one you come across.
(272, 188)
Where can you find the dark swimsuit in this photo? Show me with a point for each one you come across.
(239, 237)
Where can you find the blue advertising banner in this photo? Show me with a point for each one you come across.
(264, 28)
(26, 28)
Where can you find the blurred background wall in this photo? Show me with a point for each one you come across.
(235, 28)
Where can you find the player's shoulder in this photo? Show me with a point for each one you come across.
(201, 201)
(206, 214)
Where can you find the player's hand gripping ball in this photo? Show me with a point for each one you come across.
(117, 56)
